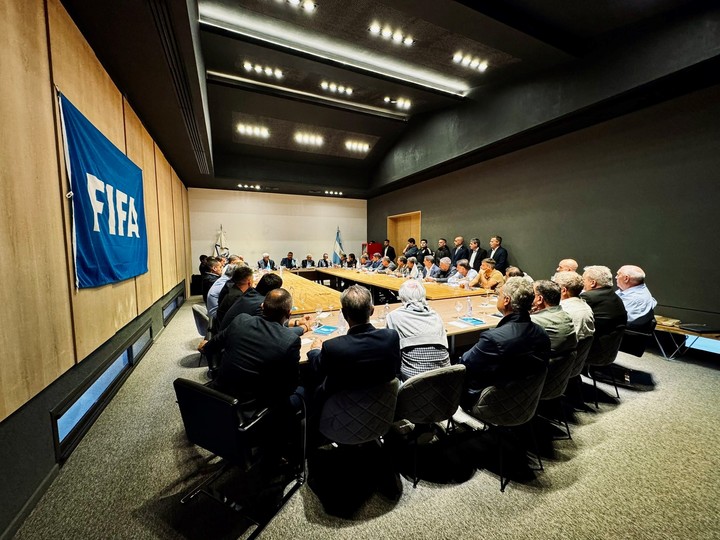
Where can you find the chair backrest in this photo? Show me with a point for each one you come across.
(513, 403)
(431, 396)
(359, 415)
(558, 375)
(202, 320)
(605, 347)
(213, 421)
(638, 334)
(583, 349)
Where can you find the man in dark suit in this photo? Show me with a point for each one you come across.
(250, 300)
(514, 348)
(498, 253)
(460, 251)
(388, 250)
(214, 271)
(288, 262)
(261, 356)
(364, 356)
(608, 308)
(240, 281)
(477, 254)
(308, 262)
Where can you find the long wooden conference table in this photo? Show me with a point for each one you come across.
(310, 297)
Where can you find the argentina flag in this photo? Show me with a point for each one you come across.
(338, 250)
(108, 209)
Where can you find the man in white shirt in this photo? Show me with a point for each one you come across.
(634, 293)
(464, 274)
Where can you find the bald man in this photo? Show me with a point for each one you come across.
(634, 293)
(567, 265)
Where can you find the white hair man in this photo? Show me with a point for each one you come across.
(447, 270)
(571, 285)
(634, 293)
(607, 307)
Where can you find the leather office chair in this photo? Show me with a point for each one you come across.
(512, 404)
(602, 353)
(214, 421)
(638, 334)
(426, 398)
(559, 370)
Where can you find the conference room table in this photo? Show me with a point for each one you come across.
(433, 291)
(308, 295)
(452, 311)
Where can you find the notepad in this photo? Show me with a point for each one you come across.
(474, 321)
(325, 330)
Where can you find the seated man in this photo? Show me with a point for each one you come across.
(363, 357)
(386, 266)
(308, 262)
(324, 262)
(351, 261)
(607, 307)
(423, 340)
(266, 263)
(240, 282)
(365, 261)
(401, 269)
(446, 271)
(288, 262)
(567, 265)
(464, 274)
(429, 269)
(546, 312)
(516, 347)
(571, 285)
(214, 293)
(634, 293)
(214, 271)
(514, 271)
(488, 278)
(412, 268)
(261, 356)
(376, 261)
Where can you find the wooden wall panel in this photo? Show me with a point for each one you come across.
(35, 297)
(100, 312)
(141, 150)
(164, 175)
(188, 250)
(179, 223)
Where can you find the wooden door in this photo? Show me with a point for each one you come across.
(401, 227)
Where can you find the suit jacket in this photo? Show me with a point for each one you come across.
(459, 253)
(501, 259)
(504, 353)
(442, 252)
(308, 264)
(389, 251)
(260, 362)
(288, 263)
(481, 254)
(363, 357)
(270, 265)
(322, 263)
(433, 272)
(608, 309)
(248, 303)
(208, 280)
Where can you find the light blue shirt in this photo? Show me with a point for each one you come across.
(457, 277)
(638, 301)
(214, 294)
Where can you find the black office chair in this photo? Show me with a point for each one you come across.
(559, 370)
(638, 334)
(602, 353)
(214, 421)
(426, 398)
(509, 405)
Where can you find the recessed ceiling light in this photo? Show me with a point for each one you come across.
(309, 6)
(294, 2)
(388, 33)
(267, 70)
(253, 131)
(375, 28)
(308, 138)
(336, 87)
(469, 61)
(401, 103)
(408, 41)
(357, 146)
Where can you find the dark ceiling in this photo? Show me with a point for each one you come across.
(292, 95)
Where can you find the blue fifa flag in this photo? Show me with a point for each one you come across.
(338, 250)
(108, 209)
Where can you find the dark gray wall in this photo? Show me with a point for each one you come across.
(639, 189)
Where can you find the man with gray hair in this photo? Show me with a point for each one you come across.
(516, 347)
(607, 307)
(634, 293)
(365, 356)
(546, 312)
(386, 266)
(214, 292)
(446, 271)
(571, 285)
(429, 269)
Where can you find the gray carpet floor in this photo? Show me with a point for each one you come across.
(647, 466)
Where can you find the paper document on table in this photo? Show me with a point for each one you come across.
(325, 330)
(474, 321)
(306, 341)
(460, 324)
(323, 316)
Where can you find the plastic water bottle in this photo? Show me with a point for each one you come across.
(385, 311)
(469, 307)
(342, 325)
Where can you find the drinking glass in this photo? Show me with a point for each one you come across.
(459, 307)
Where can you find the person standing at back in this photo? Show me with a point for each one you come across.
(498, 253)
